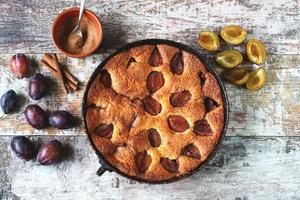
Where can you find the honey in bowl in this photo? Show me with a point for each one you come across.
(68, 43)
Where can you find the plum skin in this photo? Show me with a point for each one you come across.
(61, 119)
(22, 147)
(36, 116)
(50, 153)
(37, 86)
(9, 101)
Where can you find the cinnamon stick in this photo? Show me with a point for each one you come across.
(48, 58)
(70, 84)
(70, 81)
(58, 69)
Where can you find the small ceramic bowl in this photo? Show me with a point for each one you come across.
(60, 24)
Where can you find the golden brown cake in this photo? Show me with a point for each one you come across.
(155, 112)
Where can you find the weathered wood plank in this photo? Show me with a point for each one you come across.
(261, 161)
(274, 110)
(244, 167)
(25, 25)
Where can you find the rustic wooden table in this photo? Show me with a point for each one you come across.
(259, 158)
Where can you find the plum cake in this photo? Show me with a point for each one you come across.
(154, 112)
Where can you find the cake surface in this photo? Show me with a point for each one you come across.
(154, 112)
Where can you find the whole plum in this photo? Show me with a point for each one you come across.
(37, 86)
(22, 147)
(50, 153)
(9, 101)
(36, 116)
(19, 65)
(61, 119)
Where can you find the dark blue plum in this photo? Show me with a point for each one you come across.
(9, 101)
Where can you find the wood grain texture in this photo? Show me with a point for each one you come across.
(244, 167)
(259, 158)
(272, 111)
(25, 26)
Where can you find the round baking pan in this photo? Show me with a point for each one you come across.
(106, 166)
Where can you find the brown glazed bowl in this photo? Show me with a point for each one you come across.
(60, 22)
(106, 166)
